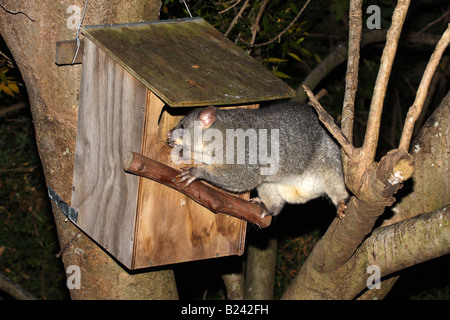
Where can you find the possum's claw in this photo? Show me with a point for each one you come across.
(342, 206)
(186, 174)
(257, 200)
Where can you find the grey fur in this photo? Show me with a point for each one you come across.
(309, 159)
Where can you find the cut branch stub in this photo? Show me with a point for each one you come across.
(382, 180)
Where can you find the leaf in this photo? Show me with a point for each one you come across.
(6, 90)
(274, 60)
(295, 45)
(284, 16)
(317, 57)
(294, 8)
(296, 57)
(3, 77)
(281, 74)
(14, 87)
(265, 22)
(285, 48)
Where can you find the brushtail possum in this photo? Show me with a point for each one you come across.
(280, 150)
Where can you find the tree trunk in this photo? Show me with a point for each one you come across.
(53, 91)
(429, 189)
(260, 267)
(431, 180)
(419, 230)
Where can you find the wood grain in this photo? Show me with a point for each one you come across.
(170, 226)
(139, 221)
(188, 63)
(104, 195)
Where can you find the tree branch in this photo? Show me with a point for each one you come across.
(432, 23)
(387, 60)
(391, 248)
(431, 157)
(285, 29)
(415, 110)
(260, 269)
(331, 267)
(340, 242)
(328, 122)
(14, 290)
(351, 77)
(335, 58)
(236, 18)
(422, 238)
(17, 106)
(402, 245)
(230, 7)
(255, 27)
(234, 284)
(214, 200)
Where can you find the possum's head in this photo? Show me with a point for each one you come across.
(187, 136)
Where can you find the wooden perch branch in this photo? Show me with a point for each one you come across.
(214, 200)
(328, 122)
(416, 108)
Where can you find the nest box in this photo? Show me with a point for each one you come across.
(135, 78)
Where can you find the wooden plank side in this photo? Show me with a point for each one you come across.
(66, 50)
(189, 63)
(172, 228)
(110, 124)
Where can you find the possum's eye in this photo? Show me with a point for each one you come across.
(177, 136)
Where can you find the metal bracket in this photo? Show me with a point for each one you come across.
(68, 211)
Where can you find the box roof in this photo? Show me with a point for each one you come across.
(188, 62)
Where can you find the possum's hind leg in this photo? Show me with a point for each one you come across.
(336, 190)
(269, 196)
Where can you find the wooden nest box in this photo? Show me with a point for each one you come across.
(135, 78)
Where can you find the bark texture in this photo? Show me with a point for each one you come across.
(53, 93)
(418, 231)
(337, 266)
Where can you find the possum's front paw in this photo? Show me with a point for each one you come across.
(187, 174)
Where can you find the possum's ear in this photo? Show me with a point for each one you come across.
(208, 117)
